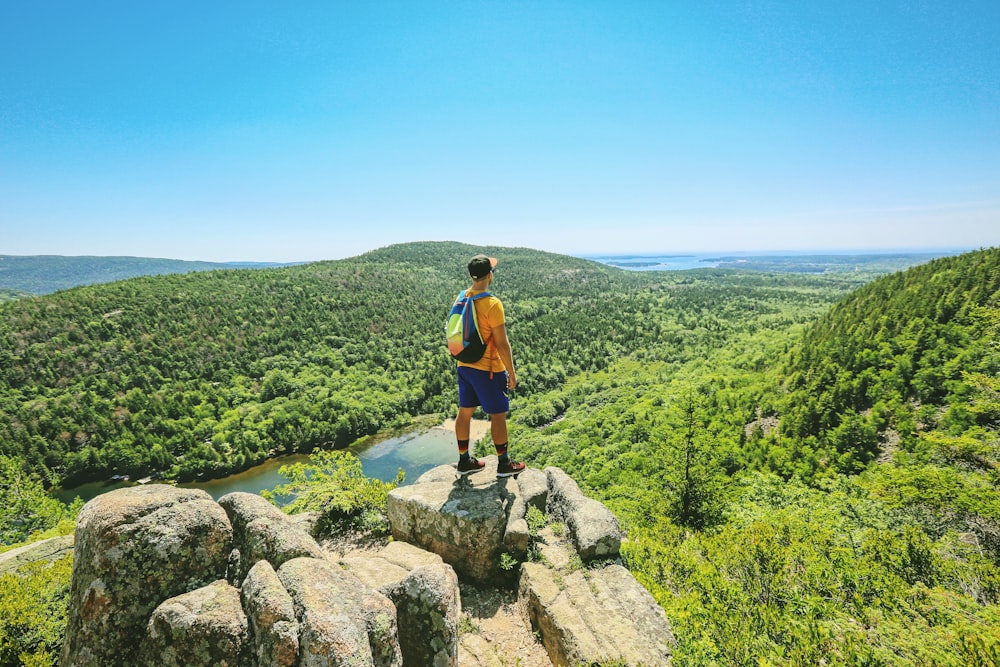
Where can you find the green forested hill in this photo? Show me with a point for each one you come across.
(806, 466)
(893, 355)
(817, 495)
(207, 373)
(12, 295)
(44, 274)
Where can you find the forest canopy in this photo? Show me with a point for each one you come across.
(806, 465)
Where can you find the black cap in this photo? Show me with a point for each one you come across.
(480, 265)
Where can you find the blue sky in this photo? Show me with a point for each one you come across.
(297, 131)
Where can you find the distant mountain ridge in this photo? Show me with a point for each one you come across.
(44, 274)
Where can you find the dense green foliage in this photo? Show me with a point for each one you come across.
(333, 484)
(857, 461)
(33, 614)
(807, 466)
(44, 274)
(27, 511)
(208, 373)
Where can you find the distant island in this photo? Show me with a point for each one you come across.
(874, 262)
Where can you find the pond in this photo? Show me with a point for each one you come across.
(415, 452)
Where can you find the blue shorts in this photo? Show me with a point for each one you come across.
(475, 388)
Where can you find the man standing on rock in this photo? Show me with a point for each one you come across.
(485, 382)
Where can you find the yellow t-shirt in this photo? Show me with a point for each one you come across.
(489, 313)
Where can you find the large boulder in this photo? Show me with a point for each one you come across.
(271, 616)
(593, 616)
(533, 485)
(341, 621)
(462, 519)
(428, 607)
(262, 532)
(592, 527)
(427, 598)
(135, 548)
(389, 565)
(203, 628)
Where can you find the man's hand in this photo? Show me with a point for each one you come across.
(511, 380)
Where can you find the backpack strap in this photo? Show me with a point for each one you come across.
(476, 297)
(471, 311)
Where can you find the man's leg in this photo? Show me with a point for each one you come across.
(463, 422)
(498, 428)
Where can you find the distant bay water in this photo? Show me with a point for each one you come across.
(787, 261)
(658, 262)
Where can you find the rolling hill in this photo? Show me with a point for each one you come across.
(806, 465)
(44, 274)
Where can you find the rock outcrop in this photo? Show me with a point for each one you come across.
(588, 609)
(463, 520)
(592, 527)
(48, 550)
(262, 532)
(136, 548)
(204, 627)
(341, 621)
(597, 615)
(165, 576)
(426, 594)
(271, 616)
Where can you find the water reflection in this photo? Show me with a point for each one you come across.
(415, 452)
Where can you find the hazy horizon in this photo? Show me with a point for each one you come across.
(639, 254)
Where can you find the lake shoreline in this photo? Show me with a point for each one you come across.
(421, 424)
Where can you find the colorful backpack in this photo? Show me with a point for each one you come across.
(465, 343)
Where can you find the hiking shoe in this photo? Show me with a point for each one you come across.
(470, 466)
(509, 469)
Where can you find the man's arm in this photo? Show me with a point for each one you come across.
(506, 355)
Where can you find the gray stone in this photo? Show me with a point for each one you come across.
(592, 527)
(375, 572)
(135, 548)
(271, 615)
(475, 651)
(307, 521)
(463, 520)
(516, 538)
(444, 473)
(341, 621)
(595, 616)
(534, 487)
(48, 550)
(408, 556)
(263, 532)
(428, 607)
(203, 628)
(389, 566)
(425, 592)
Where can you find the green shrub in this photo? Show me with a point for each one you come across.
(33, 606)
(334, 484)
